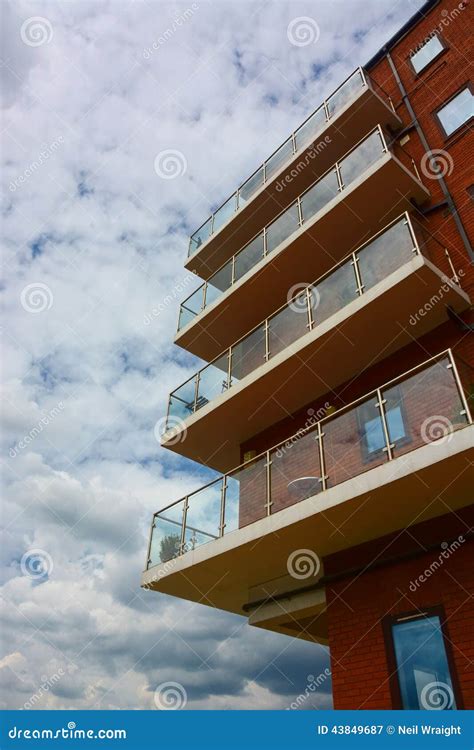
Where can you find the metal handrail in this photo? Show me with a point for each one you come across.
(366, 81)
(319, 427)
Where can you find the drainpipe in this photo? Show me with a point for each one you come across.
(449, 200)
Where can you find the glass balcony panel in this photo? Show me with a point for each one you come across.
(310, 128)
(366, 153)
(247, 488)
(203, 516)
(295, 471)
(254, 183)
(334, 292)
(275, 162)
(166, 535)
(385, 254)
(182, 402)
(191, 307)
(425, 407)
(345, 93)
(319, 195)
(248, 354)
(288, 325)
(224, 213)
(200, 237)
(353, 442)
(212, 381)
(219, 283)
(248, 257)
(282, 228)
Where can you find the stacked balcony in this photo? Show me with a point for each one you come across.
(287, 360)
(342, 480)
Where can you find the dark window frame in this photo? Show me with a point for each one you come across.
(445, 48)
(466, 85)
(387, 628)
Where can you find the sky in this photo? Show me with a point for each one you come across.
(123, 125)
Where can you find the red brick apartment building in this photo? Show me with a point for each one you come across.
(335, 314)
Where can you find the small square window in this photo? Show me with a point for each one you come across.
(427, 53)
(457, 111)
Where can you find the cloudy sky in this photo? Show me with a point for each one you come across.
(94, 238)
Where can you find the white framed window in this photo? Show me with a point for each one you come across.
(428, 52)
(457, 111)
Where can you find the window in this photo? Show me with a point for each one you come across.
(371, 426)
(457, 111)
(420, 661)
(427, 53)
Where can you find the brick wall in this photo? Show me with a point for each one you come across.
(358, 603)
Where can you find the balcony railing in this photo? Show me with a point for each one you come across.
(425, 404)
(303, 136)
(334, 181)
(349, 279)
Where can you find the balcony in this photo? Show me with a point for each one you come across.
(342, 209)
(340, 122)
(399, 455)
(289, 359)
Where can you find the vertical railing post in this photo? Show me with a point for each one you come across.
(309, 310)
(293, 141)
(326, 110)
(452, 366)
(268, 484)
(222, 511)
(382, 138)
(355, 265)
(196, 389)
(212, 225)
(266, 326)
(150, 537)
(322, 462)
(233, 271)
(300, 211)
(229, 368)
(182, 540)
(340, 183)
(455, 277)
(380, 404)
(204, 296)
(264, 242)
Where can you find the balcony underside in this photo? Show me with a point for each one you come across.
(343, 131)
(232, 572)
(381, 194)
(332, 353)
